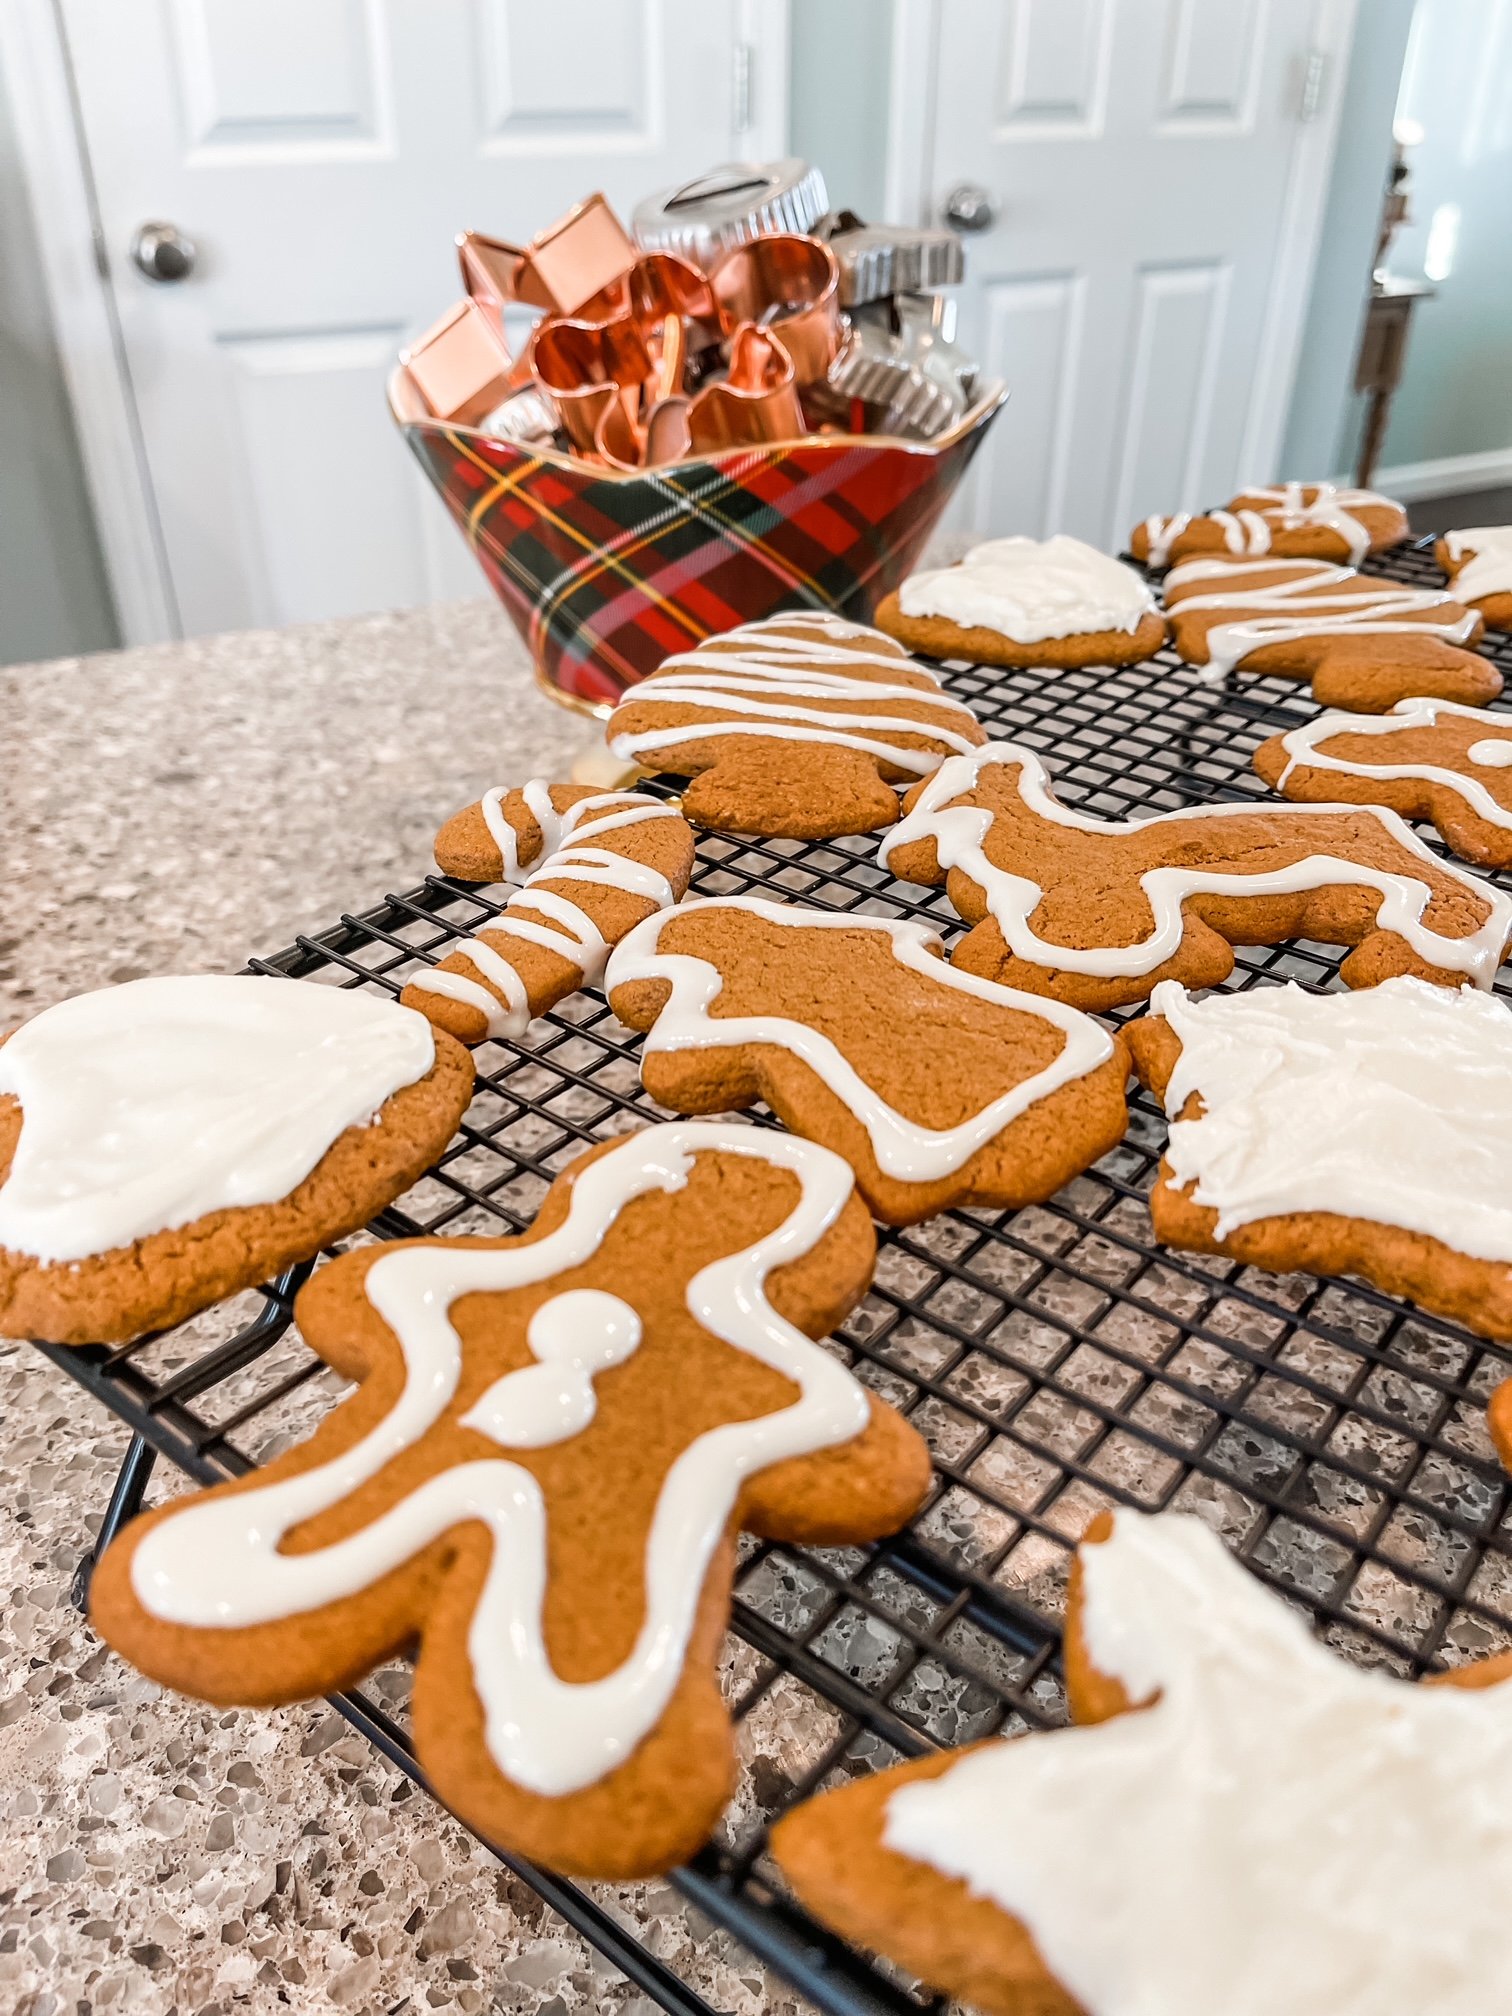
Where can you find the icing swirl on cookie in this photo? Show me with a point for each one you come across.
(1392, 1104)
(1305, 749)
(1032, 590)
(1287, 611)
(1249, 526)
(149, 1105)
(905, 1149)
(569, 929)
(785, 687)
(221, 1563)
(1489, 572)
(959, 833)
(1276, 1831)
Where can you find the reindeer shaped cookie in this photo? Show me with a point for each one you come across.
(553, 1443)
(599, 862)
(1305, 521)
(1096, 911)
(799, 726)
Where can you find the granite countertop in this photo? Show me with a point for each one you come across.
(175, 809)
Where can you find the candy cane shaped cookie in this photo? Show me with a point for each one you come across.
(598, 863)
(1362, 641)
(1303, 521)
(1478, 562)
(1096, 911)
(798, 727)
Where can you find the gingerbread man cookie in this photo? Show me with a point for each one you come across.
(1362, 642)
(1302, 521)
(996, 1098)
(1426, 759)
(1053, 602)
(1096, 911)
(1365, 1134)
(1273, 1830)
(602, 861)
(797, 727)
(1478, 562)
(168, 1142)
(554, 1441)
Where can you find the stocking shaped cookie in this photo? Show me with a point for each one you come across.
(170, 1141)
(1302, 521)
(1363, 642)
(1478, 562)
(1426, 759)
(598, 862)
(798, 726)
(1096, 911)
(553, 1443)
(1364, 1134)
(995, 1097)
(1273, 1829)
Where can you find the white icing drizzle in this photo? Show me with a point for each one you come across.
(220, 1563)
(1303, 747)
(1031, 590)
(570, 931)
(1490, 572)
(1288, 610)
(1392, 1104)
(1262, 512)
(780, 684)
(1279, 1832)
(960, 833)
(905, 1149)
(148, 1105)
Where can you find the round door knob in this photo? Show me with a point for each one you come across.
(162, 252)
(969, 207)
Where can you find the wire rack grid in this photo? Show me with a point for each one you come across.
(1056, 1359)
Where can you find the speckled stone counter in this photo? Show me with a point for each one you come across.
(173, 810)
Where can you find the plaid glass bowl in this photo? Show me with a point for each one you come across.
(606, 574)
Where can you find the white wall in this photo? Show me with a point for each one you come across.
(53, 594)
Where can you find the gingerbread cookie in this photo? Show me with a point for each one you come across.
(1362, 642)
(1426, 759)
(1096, 911)
(1500, 1418)
(554, 1441)
(1364, 1134)
(603, 860)
(1053, 602)
(1295, 521)
(1478, 562)
(995, 1098)
(1244, 1843)
(797, 727)
(168, 1142)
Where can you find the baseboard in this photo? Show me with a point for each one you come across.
(1446, 476)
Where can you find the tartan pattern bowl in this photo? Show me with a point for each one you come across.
(606, 574)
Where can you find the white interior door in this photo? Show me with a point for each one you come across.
(1143, 161)
(321, 155)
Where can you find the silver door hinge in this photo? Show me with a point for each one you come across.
(740, 83)
(1314, 75)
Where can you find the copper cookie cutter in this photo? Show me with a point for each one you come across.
(756, 401)
(459, 368)
(791, 287)
(562, 268)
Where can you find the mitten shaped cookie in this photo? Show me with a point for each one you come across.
(937, 1087)
(589, 864)
(1426, 759)
(553, 1444)
(1052, 602)
(1361, 641)
(1235, 1827)
(168, 1142)
(1342, 1134)
(1478, 562)
(1301, 521)
(797, 727)
(1097, 911)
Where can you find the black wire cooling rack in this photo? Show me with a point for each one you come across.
(1056, 1359)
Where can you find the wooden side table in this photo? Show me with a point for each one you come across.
(1383, 353)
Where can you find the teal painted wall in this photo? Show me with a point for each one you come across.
(841, 69)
